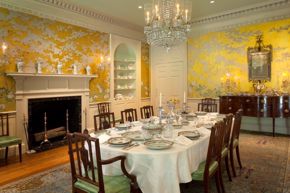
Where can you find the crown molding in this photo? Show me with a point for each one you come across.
(258, 13)
(65, 12)
(89, 13)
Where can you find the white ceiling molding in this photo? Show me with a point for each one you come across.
(90, 13)
(262, 12)
(60, 11)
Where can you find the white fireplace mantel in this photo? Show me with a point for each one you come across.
(31, 86)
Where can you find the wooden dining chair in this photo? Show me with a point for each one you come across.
(234, 144)
(226, 144)
(86, 168)
(6, 140)
(103, 107)
(104, 121)
(129, 115)
(207, 105)
(210, 167)
(146, 112)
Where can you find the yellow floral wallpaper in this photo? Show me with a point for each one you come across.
(32, 39)
(217, 61)
(145, 70)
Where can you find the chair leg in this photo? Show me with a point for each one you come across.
(238, 156)
(206, 186)
(228, 167)
(232, 162)
(6, 155)
(217, 182)
(20, 152)
(221, 180)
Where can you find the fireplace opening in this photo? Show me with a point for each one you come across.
(54, 115)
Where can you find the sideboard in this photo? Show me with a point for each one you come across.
(257, 106)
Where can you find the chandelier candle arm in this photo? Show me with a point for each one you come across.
(167, 22)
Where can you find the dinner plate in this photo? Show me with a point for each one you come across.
(122, 126)
(177, 125)
(190, 134)
(200, 113)
(134, 135)
(119, 141)
(158, 144)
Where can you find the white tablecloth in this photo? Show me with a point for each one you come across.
(159, 171)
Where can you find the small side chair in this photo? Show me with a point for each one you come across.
(146, 112)
(5, 139)
(129, 115)
(86, 168)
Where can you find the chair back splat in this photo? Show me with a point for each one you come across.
(129, 115)
(103, 107)
(146, 112)
(104, 121)
(207, 105)
(234, 144)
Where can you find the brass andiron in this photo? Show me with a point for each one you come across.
(45, 144)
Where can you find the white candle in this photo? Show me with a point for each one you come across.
(184, 97)
(186, 12)
(160, 100)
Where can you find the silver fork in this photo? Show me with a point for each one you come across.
(134, 145)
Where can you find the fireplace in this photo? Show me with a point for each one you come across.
(56, 93)
(61, 114)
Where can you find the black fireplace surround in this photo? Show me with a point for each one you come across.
(56, 109)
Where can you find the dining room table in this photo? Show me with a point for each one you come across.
(162, 165)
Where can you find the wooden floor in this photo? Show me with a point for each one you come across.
(31, 164)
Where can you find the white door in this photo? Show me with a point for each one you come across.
(169, 74)
(169, 81)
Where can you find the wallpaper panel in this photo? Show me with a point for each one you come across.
(217, 61)
(145, 70)
(33, 39)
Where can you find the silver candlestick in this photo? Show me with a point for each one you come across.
(160, 114)
(184, 107)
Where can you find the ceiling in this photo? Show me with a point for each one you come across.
(124, 18)
(127, 10)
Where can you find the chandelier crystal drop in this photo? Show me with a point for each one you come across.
(167, 22)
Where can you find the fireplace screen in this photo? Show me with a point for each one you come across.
(61, 114)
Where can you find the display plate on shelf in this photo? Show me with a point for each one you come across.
(158, 144)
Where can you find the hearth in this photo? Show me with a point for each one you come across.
(56, 115)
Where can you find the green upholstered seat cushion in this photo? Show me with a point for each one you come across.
(236, 142)
(224, 152)
(113, 184)
(198, 174)
(6, 141)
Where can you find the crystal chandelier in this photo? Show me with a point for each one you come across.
(167, 22)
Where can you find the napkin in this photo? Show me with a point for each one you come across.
(103, 138)
(182, 140)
